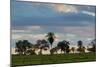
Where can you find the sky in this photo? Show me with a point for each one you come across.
(33, 20)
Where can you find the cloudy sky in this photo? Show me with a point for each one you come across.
(32, 21)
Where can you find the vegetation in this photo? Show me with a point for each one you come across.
(27, 55)
(93, 48)
(50, 37)
(81, 48)
(18, 60)
(22, 46)
(25, 47)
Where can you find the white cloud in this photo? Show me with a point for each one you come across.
(71, 35)
(61, 32)
(16, 36)
(21, 31)
(28, 36)
(39, 36)
(86, 31)
(33, 27)
(64, 36)
(27, 27)
(89, 13)
(64, 8)
(60, 7)
(90, 39)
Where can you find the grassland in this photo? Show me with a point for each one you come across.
(21, 60)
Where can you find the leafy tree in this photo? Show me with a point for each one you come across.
(80, 48)
(93, 48)
(26, 45)
(42, 44)
(19, 46)
(55, 49)
(73, 49)
(38, 42)
(80, 43)
(50, 37)
(64, 46)
(30, 52)
(22, 46)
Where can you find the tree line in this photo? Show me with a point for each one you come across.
(24, 47)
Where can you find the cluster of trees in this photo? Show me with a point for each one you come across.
(25, 47)
(22, 46)
(63, 45)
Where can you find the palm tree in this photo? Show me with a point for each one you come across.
(50, 37)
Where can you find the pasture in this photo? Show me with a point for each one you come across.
(21, 60)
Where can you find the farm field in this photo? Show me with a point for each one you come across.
(21, 60)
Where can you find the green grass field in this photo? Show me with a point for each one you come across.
(51, 59)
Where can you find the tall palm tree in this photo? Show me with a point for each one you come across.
(50, 37)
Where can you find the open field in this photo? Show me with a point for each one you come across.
(18, 60)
